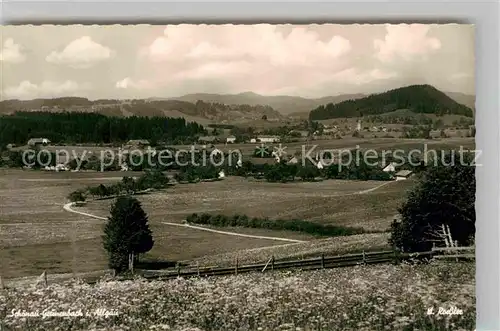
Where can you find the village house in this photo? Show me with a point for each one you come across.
(293, 160)
(138, 143)
(330, 130)
(207, 139)
(299, 133)
(403, 174)
(268, 139)
(391, 167)
(38, 141)
(231, 139)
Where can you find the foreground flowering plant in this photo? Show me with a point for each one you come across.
(383, 297)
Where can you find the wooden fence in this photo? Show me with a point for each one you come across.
(322, 262)
(454, 253)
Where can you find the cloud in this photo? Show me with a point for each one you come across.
(129, 83)
(357, 77)
(261, 57)
(80, 53)
(11, 52)
(406, 41)
(460, 76)
(261, 43)
(47, 89)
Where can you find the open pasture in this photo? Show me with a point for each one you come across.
(322, 201)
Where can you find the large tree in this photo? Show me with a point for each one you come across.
(444, 195)
(126, 232)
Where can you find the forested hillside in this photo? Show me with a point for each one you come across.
(198, 110)
(416, 98)
(90, 127)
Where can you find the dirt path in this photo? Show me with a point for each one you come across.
(68, 208)
(233, 233)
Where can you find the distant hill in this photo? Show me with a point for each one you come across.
(199, 111)
(284, 104)
(465, 99)
(416, 98)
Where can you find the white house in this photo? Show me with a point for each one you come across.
(38, 141)
(61, 167)
(268, 139)
(222, 174)
(293, 160)
(231, 139)
(239, 163)
(253, 141)
(391, 167)
(403, 174)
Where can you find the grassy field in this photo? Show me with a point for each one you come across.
(364, 298)
(329, 201)
(36, 234)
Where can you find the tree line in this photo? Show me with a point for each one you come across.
(71, 127)
(296, 225)
(127, 186)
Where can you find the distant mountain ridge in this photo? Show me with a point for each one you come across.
(284, 104)
(225, 107)
(416, 98)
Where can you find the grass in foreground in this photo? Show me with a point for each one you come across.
(384, 297)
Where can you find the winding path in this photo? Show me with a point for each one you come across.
(68, 207)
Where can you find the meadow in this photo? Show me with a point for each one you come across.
(363, 298)
(37, 234)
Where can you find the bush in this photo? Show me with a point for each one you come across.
(76, 196)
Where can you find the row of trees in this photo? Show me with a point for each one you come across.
(285, 172)
(128, 185)
(194, 174)
(266, 223)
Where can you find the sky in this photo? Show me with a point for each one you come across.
(141, 61)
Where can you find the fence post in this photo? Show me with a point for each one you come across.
(397, 257)
(1, 283)
(272, 262)
(322, 261)
(45, 278)
(178, 269)
(198, 268)
(364, 257)
(236, 267)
